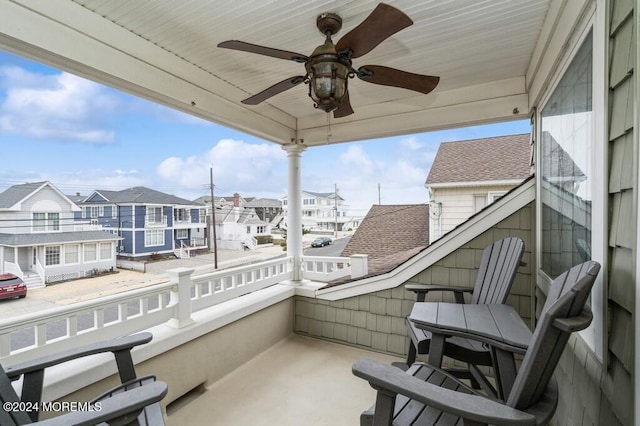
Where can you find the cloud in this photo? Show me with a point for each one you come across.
(56, 106)
(249, 169)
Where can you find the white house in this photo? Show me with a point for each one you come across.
(237, 227)
(321, 210)
(468, 175)
(40, 241)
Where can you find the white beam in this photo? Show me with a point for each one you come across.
(72, 38)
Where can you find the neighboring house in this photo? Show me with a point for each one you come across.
(237, 227)
(149, 221)
(42, 243)
(389, 235)
(468, 175)
(268, 209)
(321, 211)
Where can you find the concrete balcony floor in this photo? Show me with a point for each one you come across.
(299, 380)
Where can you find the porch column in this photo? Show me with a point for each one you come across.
(294, 213)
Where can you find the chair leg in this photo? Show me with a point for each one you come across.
(411, 353)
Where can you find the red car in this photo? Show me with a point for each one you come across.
(12, 286)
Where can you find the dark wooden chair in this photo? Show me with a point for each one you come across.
(496, 274)
(135, 402)
(426, 395)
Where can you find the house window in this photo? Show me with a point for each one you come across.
(90, 254)
(52, 255)
(495, 196)
(154, 215)
(182, 234)
(39, 222)
(566, 181)
(105, 251)
(575, 191)
(71, 253)
(260, 229)
(43, 222)
(181, 215)
(114, 212)
(153, 237)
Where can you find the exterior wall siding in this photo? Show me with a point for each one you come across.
(376, 321)
(457, 207)
(592, 393)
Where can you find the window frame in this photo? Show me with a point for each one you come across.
(52, 256)
(595, 23)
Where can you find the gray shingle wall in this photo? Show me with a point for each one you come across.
(376, 321)
(603, 395)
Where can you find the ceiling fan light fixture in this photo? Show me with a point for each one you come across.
(328, 78)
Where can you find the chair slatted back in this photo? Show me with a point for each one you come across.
(567, 298)
(8, 394)
(497, 271)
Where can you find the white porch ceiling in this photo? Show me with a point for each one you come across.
(165, 50)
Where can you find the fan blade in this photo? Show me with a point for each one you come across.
(344, 107)
(386, 76)
(381, 24)
(274, 90)
(261, 50)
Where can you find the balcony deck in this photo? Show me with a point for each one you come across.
(299, 380)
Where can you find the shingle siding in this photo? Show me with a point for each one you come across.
(590, 392)
(376, 321)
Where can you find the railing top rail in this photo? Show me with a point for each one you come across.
(80, 307)
(325, 259)
(241, 269)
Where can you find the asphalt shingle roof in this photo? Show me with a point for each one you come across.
(143, 195)
(390, 234)
(480, 160)
(15, 193)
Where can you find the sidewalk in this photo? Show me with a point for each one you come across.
(124, 280)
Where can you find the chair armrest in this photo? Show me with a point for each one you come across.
(122, 404)
(114, 345)
(33, 371)
(389, 379)
(576, 323)
(422, 289)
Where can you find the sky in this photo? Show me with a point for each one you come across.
(82, 136)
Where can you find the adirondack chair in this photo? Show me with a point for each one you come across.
(135, 402)
(425, 394)
(496, 274)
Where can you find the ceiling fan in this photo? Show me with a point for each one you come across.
(329, 67)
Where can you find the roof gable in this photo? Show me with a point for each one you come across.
(502, 158)
(13, 197)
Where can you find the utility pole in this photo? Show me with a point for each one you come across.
(213, 222)
(335, 200)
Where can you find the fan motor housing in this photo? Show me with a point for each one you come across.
(329, 22)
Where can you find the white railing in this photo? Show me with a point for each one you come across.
(13, 268)
(250, 241)
(40, 271)
(325, 269)
(87, 227)
(173, 302)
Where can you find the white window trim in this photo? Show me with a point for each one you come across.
(147, 231)
(64, 255)
(595, 22)
(84, 253)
